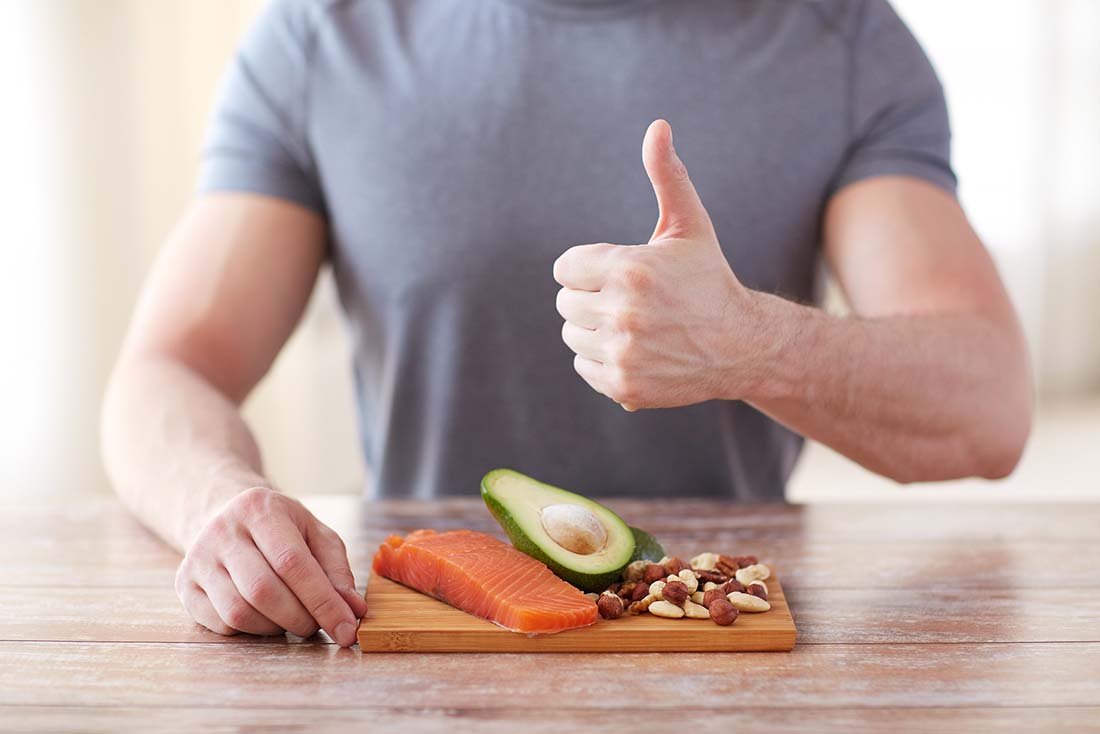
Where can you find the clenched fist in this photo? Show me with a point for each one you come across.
(265, 564)
(665, 323)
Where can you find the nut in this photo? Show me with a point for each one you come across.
(758, 588)
(713, 576)
(674, 565)
(697, 597)
(705, 562)
(653, 572)
(635, 571)
(710, 585)
(610, 605)
(723, 612)
(710, 596)
(743, 561)
(726, 565)
(592, 595)
(675, 592)
(665, 609)
(641, 591)
(748, 602)
(755, 572)
(656, 588)
(642, 604)
(733, 585)
(695, 611)
(688, 577)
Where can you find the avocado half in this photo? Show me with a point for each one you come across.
(517, 502)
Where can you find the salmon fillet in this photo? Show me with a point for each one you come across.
(485, 577)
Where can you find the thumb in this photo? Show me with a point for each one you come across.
(682, 214)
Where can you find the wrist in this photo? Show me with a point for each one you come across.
(212, 500)
(766, 349)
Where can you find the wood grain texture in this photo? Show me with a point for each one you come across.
(402, 620)
(915, 618)
(316, 675)
(824, 616)
(715, 718)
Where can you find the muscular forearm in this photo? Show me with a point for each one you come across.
(176, 449)
(916, 398)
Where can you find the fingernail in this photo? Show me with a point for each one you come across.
(345, 634)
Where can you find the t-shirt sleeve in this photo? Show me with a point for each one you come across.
(257, 138)
(899, 123)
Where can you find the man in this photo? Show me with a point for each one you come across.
(444, 155)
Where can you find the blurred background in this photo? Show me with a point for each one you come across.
(104, 110)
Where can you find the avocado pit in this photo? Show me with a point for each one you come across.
(575, 528)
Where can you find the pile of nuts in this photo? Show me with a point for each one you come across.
(712, 586)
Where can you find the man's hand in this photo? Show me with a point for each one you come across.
(265, 564)
(665, 323)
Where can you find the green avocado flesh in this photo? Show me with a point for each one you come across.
(517, 502)
(646, 547)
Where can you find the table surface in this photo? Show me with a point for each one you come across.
(910, 617)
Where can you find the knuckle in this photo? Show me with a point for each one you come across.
(635, 276)
(621, 384)
(327, 608)
(238, 614)
(288, 562)
(259, 591)
(254, 502)
(627, 320)
(622, 353)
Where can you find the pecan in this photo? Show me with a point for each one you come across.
(675, 592)
(625, 589)
(743, 561)
(723, 612)
(610, 605)
(716, 577)
(642, 604)
(726, 565)
(653, 572)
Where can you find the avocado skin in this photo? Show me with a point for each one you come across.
(594, 582)
(646, 547)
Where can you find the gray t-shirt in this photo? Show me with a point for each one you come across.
(458, 147)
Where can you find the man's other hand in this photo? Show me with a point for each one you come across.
(265, 564)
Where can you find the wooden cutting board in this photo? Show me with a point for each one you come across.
(402, 620)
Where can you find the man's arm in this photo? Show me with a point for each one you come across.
(928, 380)
(223, 298)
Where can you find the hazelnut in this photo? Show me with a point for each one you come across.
(674, 565)
(712, 594)
(653, 572)
(675, 592)
(733, 585)
(723, 612)
(757, 588)
(639, 592)
(610, 605)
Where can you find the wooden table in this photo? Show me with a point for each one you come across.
(957, 618)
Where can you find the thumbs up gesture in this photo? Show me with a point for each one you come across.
(656, 325)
